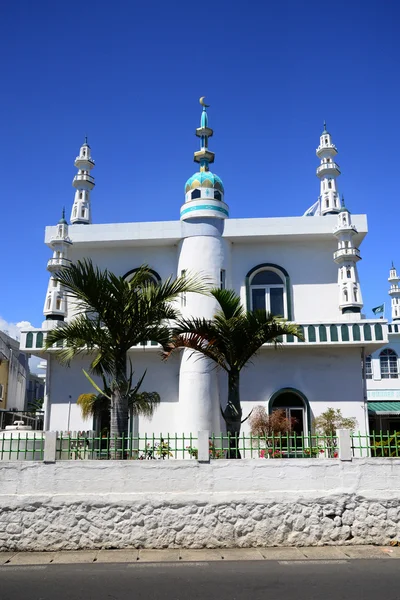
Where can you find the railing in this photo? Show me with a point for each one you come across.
(58, 262)
(34, 419)
(84, 178)
(84, 159)
(375, 445)
(53, 446)
(346, 252)
(330, 166)
(86, 446)
(22, 445)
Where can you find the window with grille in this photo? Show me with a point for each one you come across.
(389, 365)
(368, 367)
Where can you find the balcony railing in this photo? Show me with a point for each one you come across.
(360, 334)
(331, 166)
(58, 262)
(346, 252)
(84, 159)
(81, 177)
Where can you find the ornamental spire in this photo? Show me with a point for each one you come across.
(204, 156)
(83, 182)
(327, 173)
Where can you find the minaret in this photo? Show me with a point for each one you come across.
(394, 293)
(83, 182)
(327, 173)
(202, 250)
(55, 305)
(347, 257)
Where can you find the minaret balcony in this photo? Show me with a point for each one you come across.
(84, 177)
(394, 290)
(204, 154)
(344, 254)
(328, 169)
(54, 264)
(84, 162)
(343, 229)
(326, 150)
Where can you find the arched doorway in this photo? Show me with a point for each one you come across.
(297, 407)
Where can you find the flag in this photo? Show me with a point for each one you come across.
(314, 210)
(378, 309)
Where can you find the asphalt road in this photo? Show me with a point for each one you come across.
(247, 580)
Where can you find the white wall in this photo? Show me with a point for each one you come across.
(155, 504)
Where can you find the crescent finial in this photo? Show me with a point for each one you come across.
(203, 103)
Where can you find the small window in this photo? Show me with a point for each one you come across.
(329, 184)
(39, 340)
(367, 333)
(356, 333)
(222, 279)
(345, 295)
(58, 303)
(217, 195)
(328, 160)
(80, 195)
(355, 295)
(196, 194)
(345, 333)
(311, 333)
(348, 272)
(389, 366)
(368, 367)
(48, 303)
(83, 213)
(326, 140)
(322, 333)
(327, 203)
(334, 333)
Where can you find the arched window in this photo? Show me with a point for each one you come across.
(355, 295)
(48, 302)
(296, 406)
(39, 340)
(58, 303)
(196, 194)
(322, 333)
(311, 334)
(83, 213)
(267, 292)
(367, 333)
(29, 340)
(348, 273)
(345, 295)
(327, 203)
(356, 333)
(80, 195)
(329, 184)
(153, 275)
(345, 333)
(368, 367)
(217, 195)
(389, 366)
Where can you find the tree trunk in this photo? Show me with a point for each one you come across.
(119, 412)
(233, 415)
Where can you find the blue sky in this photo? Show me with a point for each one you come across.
(129, 74)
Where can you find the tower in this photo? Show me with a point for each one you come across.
(394, 293)
(347, 257)
(327, 173)
(55, 305)
(203, 251)
(83, 182)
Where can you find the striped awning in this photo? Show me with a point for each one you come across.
(384, 408)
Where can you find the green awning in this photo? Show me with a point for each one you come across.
(384, 408)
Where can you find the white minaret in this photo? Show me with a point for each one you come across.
(55, 305)
(83, 182)
(201, 251)
(394, 293)
(327, 173)
(347, 257)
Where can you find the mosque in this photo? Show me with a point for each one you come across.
(301, 267)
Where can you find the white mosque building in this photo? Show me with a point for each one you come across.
(304, 268)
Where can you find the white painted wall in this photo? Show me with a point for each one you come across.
(158, 504)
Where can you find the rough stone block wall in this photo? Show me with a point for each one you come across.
(157, 504)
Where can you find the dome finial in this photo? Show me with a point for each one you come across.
(86, 142)
(343, 206)
(325, 130)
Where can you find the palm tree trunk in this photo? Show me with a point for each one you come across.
(119, 412)
(233, 414)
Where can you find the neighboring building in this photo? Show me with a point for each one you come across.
(304, 268)
(382, 370)
(14, 372)
(35, 392)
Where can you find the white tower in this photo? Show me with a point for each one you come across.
(394, 293)
(202, 250)
(327, 173)
(347, 257)
(55, 305)
(83, 182)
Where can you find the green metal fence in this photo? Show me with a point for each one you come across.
(274, 446)
(84, 446)
(21, 445)
(377, 444)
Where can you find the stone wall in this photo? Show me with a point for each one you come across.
(157, 504)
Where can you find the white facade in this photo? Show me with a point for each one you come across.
(286, 265)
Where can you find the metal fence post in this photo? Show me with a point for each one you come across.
(344, 439)
(50, 445)
(204, 448)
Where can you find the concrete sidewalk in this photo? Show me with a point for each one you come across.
(313, 553)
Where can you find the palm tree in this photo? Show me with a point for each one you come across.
(114, 315)
(230, 339)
